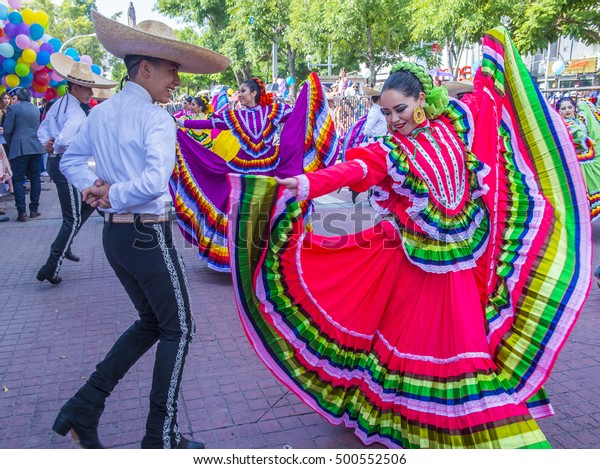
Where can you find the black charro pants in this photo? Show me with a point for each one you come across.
(147, 263)
(74, 214)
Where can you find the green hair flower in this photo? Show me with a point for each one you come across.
(436, 97)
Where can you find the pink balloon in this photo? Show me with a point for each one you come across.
(4, 39)
(35, 46)
(15, 4)
(55, 77)
(86, 59)
(35, 67)
(22, 41)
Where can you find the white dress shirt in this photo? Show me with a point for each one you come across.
(375, 125)
(62, 122)
(132, 142)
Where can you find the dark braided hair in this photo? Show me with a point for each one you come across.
(262, 97)
(203, 104)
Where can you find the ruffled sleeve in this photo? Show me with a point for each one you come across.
(366, 166)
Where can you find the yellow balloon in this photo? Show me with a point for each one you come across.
(21, 60)
(12, 80)
(28, 16)
(41, 17)
(29, 56)
(2, 89)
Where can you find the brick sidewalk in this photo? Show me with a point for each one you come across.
(51, 337)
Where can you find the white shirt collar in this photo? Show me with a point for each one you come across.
(138, 90)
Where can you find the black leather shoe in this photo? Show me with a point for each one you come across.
(189, 444)
(86, 438)
(35, 214)
(22, 217)
(72, 257)
(46, 274)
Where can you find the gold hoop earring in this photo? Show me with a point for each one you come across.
(419, 115)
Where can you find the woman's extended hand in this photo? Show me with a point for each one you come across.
(290, 183)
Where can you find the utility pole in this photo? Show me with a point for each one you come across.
(275, 52)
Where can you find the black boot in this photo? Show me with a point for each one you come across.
(47, 273)
(72, 257)
(81, 415)
(189, 444)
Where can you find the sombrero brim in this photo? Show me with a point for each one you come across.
(122, 40)
(62, 65)
(372, 91)
(102, 93)
(457, 87)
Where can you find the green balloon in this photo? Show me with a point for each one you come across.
(22, 70)
(61, 90)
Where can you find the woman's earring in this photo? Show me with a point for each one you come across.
(419, 115)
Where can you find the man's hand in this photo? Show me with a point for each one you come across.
(290, 183)
(49, 146)
(97, 195)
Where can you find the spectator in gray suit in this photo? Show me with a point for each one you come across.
(24, 151)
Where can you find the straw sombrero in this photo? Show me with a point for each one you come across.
(458, 87)
(372, 91)
(102, 93)
(156, 39)
(79, 73)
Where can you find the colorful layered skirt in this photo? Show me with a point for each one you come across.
(416, 359)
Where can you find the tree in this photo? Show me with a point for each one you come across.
(535, 24)
(456, 23)
(374, 31)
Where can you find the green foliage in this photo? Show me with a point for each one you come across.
(538, 23)
(456, 23)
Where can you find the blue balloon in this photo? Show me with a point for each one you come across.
(72, 53)
(55, 43)
(6, 50)
(558, 67)
(9, 65)
(15, 17)
(290, 81)
(96, 69)
(27, 80)
(36, 31)
(43, 57)
(3, 12)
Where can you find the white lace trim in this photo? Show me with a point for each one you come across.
(364, 167)
(303, 187)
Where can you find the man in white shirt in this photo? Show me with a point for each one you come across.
(56, 132)
(375, 125)
(132, 142)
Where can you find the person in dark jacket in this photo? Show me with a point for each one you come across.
(24, 152)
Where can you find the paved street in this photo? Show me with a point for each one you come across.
(52, 336)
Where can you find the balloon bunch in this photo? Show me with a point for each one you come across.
(25, 50)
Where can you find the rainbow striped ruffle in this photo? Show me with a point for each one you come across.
(201, 222)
